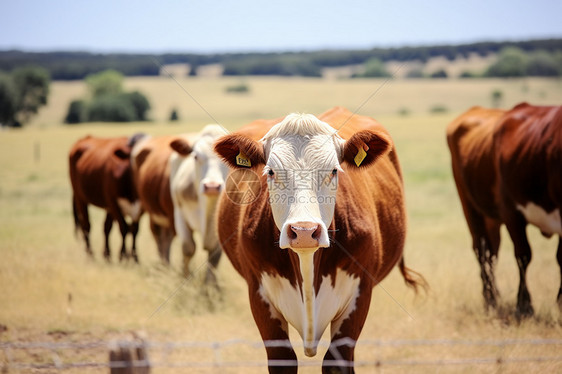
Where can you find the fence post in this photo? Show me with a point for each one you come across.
(129, 356)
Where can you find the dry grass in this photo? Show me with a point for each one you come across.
(43, 263)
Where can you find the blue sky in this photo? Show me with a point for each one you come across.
(244, 25)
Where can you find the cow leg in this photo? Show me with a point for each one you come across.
(487, 254)
(212, 263)
(274, 332)
(516, 224)
(82, 217)
(163, 236)
(485, 243)
(108, 224)
(559, 258)
(124, 228)
(341, 354)
(134, 229)
(188, 249)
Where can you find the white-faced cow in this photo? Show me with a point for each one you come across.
(508, 170)
(327, 227)
(100, 174)
(197, 178)
(179, 180)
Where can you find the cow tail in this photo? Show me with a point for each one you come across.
(76, 218)
(412, 278)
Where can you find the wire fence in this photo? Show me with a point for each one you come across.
(146, 355)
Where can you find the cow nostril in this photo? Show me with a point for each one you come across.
(316, 233)
(291, 232)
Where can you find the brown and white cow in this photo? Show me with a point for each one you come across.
(179, 179)
(328, 225)
(508, 170)
(100, 174)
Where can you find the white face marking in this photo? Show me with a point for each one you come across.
(131, 209)
(302, 164)
(332, 304)
(549, 223)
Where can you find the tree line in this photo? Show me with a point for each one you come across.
(78, 65)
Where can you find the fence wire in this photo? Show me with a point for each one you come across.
(63, 355)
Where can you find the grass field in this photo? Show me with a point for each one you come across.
(50, 290)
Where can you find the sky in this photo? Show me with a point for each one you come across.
(215, 26)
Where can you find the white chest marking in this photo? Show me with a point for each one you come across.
(549, 223)
(131, 209)
(332, 303)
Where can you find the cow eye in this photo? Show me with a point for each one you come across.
(334, 172)
(271, 173)
(195, 157)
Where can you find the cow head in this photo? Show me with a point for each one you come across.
(210, 171)
(301, 158)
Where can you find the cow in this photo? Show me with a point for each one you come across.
(179, 179)
(328, 225)
(100, 174)
(507, 167)
(197, 178)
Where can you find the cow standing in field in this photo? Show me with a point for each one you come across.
(328, 225)
(179, 181)
(197, 178)
(100, 174)
(508, 170)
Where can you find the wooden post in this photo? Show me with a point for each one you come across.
(129, 356)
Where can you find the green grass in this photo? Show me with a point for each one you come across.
(42, 262)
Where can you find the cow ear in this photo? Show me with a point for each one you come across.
(181, 146)
(122, 153)
(239, 151)
(365, 147)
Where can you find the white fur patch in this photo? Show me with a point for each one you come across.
(549, 223)
(333, 304)
(131, 209)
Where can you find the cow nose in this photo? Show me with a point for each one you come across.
(211, 188)
(304, 234)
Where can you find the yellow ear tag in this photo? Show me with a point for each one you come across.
(243, 160)
(361, 154)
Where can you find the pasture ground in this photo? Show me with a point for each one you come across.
(51, 292)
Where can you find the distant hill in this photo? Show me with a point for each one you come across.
(77, 65)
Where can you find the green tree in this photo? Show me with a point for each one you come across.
(140, 104)
(107, 82)
(174, 115)
(512, 62)
(441, 73)
(7, 101)
(543, 64)
(111, 108)
(374, 68)
(76, 112)
(32, 90)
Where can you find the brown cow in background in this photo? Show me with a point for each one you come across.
(100, 174)
(508, 170)
(151, 169)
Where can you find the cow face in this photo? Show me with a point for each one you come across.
(210, 172)
(301, 158)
